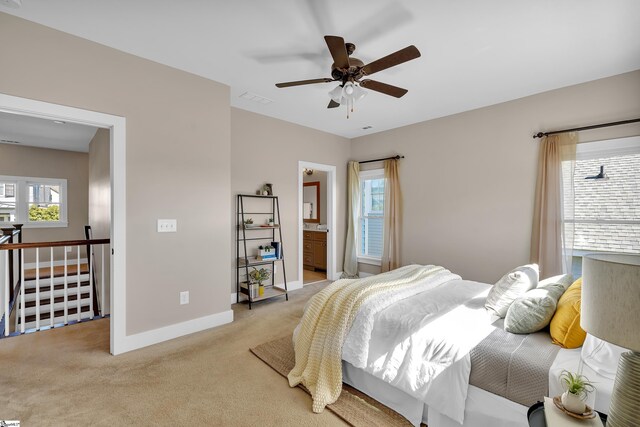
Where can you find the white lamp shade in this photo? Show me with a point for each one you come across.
(611, 298)
(349, 93)
(336, 94)
(358, 93)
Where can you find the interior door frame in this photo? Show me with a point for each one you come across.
(117, 127)
(332, 274)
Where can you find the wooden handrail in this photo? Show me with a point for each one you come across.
(10, 246)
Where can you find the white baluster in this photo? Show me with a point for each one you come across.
(102, 309)
(90, 256)
(22, 315)
(37, 289)
(51, 311)
(66, 290)
(78, 276)
(6, 293)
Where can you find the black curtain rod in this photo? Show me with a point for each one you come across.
(398, 157)
(603, 125)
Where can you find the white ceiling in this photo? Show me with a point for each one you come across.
(474, 53)
(44, 133)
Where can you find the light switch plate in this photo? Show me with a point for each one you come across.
(184, 297)
(167, 226)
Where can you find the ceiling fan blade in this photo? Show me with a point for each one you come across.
(333, 104)
(338, 51)
(304, 82)
(403, 55)
(390, 90)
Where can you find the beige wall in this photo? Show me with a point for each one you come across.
(468, 180)
(177, 151)
(45, 163)
(100, 206)
(263, 150)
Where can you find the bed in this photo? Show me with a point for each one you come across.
(413, 352)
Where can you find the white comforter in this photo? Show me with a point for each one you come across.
(421, 344)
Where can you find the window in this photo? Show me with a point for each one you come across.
(7, 201)
(371, 221)
(606, 211)
(34, 202)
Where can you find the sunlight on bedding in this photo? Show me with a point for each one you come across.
(422, 343)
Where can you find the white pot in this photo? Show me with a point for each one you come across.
(572, 403)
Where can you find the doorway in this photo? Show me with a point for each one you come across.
(316, 221)
(117, 169)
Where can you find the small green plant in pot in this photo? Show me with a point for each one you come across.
(577, 388)
(259, 276)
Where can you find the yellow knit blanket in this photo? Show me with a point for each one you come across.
(326, 323)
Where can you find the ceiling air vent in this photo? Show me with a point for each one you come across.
(8, 141)
(14, 4)
(367, 127)
(256, 98)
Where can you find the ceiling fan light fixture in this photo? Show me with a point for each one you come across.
(336, 94)
(358, 93)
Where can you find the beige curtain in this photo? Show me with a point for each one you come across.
(392, 217)
(350, 266)
(551, 236)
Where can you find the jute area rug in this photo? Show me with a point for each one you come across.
(353, 406)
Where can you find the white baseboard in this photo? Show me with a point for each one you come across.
(294, 286)
(155, 336)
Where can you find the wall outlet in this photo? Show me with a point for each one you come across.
(184, 297)
(167, 226)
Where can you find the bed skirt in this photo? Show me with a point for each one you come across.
(483, 409)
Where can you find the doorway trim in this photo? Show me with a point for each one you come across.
(117, 126)
(331, 217)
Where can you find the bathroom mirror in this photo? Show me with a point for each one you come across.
(311, 202)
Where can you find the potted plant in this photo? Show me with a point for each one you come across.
(248, 222)
(270, 222)
(577, 388)
(258, 276)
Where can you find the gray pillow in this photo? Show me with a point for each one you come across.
(511, 286)
(565, 280)
(533, 311)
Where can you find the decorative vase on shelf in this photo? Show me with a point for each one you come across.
(573, 403)
(260, 290)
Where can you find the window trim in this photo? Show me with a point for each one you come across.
(608, 148)
(22, 201)
(367, 259)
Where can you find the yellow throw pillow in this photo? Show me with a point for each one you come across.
(565, 325)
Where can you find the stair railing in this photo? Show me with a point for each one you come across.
(16, 298)
(8, 268)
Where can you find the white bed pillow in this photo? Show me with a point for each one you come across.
(601, 356)
(511, 286)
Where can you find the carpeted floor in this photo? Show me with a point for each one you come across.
(353, 406)
(67, 377)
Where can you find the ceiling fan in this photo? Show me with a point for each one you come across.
(350, 72)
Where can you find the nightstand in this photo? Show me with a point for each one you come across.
(536, 418)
